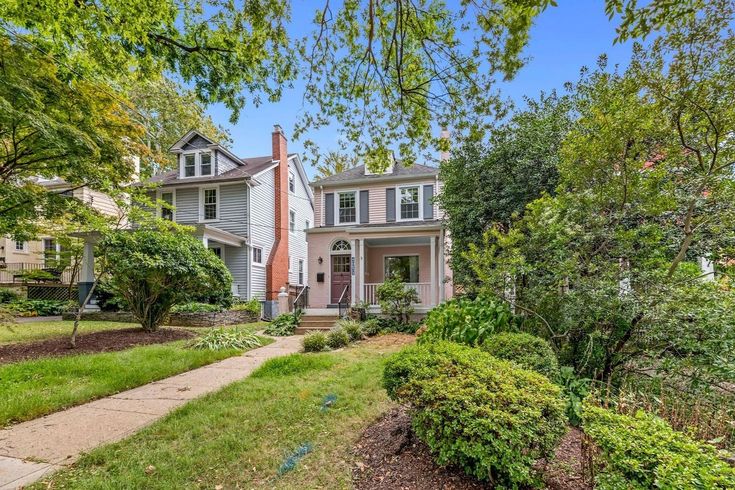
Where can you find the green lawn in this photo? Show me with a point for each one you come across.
(239, 436)
(30, 389)
(22, 332)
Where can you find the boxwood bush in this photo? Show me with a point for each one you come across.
(529, 351)
(643, 451)
(468, 321)
(482, 414)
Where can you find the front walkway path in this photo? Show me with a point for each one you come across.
(32, 449)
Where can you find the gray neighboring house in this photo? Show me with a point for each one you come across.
(251, 212)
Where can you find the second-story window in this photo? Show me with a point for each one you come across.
(347, 207)
(291, 183)
(292, 221)
(209, 204)
(190, 165)
(409, 203)
(205, 163)
(167, 212)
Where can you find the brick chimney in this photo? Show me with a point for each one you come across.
(276, 269)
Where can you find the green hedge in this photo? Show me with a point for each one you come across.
(529, 351)
(643, 451)
(483, 414)
(468, 321)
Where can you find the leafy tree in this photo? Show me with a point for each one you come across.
(489, 185)
(154, 270)
(334, 162)
(605, 267)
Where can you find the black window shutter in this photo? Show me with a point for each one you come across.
(428, 204)
(390, 204)
(364, 206)
(329, 209)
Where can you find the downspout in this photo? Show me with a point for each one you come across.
(249, 243)
(321, 211)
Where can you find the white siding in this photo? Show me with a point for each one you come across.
(262, 227)
(299, 202)
(224, 164)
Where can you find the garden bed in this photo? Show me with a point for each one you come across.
(191, 319)
(105, 341)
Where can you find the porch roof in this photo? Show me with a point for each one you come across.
(218, 235)
(398, 226)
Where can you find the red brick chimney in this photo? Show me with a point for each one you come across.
(276, 269)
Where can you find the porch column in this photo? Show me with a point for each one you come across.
(86, 279)
(432, 255)
(442, 266)
(353, 266)
(205, 241)
(361, 286)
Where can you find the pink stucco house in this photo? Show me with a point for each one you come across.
(369, 226)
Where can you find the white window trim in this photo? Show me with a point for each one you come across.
(57, 249)
(292, 180)
(201, 203)
(307, 225)
(292, 212)
(159, 197)
(23, 250)
(357, 207)
(300, 272)
(252, 256)
(197, 164)
(420, 203)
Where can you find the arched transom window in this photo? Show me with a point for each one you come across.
(341, 246)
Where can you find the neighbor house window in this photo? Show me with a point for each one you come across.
(167, 212)
(205, 163)
(20, 246)
(405, 268)
(217, 251)
(209, 204)
(257, 255)
(291, 183)
(301, 271)
(347, 207)
(50, 252)
(307, 225)
(409, 203)
(190, 165)
(292, 221)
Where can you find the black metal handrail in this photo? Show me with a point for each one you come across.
(302, 299)
(342, 300)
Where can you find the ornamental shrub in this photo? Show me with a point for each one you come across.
(468, 321)
(284, 324)
(643, 451)
(196, 308)
(314, 342)
(153, 270)
(38, 307)
(8, 295)
(352, 328)
(370, 327)
(528, 351)
(396, 300)
(253, 306)
(337, 338)
(222, 338)
(482, 414)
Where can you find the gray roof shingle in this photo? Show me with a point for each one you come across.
(399, 171)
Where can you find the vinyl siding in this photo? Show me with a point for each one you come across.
(236, 260)
(299, 202)
(224, 163)
(263, 233)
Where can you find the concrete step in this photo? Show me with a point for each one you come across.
(301, 330)
(317, 323)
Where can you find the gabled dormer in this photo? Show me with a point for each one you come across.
(199, 156)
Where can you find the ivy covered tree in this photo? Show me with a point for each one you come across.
(154, 269)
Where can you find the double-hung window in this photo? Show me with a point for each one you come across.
(257, 255)
(20, 246)
(347, 207)
(301, 271)
(190, 165)
(205, 163)
(210, 204)
(291, 183)
(292, 221)
(410, 207)
(167, 211)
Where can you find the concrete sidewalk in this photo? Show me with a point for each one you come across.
(32, 449)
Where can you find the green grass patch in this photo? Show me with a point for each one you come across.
(240, 436)
(30, 389)
(23, 332)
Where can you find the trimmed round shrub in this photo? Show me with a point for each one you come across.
(352, 329)
(468, 321)
(485, 415)
(314, 342)
(643, 451)
(370, 327)
(337, 338)
(529, 351)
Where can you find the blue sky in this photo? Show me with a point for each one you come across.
(563, 39)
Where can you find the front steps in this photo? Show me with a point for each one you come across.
(316, 320)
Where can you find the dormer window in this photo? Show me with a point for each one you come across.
(190, 165)
(197, 164)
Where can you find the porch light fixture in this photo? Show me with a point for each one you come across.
(320, 260)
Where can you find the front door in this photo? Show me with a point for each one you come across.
(340, 276)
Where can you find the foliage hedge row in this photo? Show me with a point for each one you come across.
(38, 307)
(643, 451)
(485, 415)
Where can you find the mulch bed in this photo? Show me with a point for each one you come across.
(390, 457)
(391, 340)
(105, 341)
